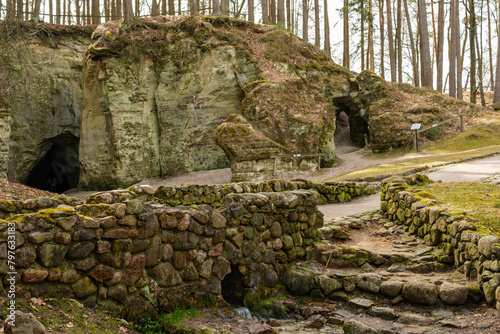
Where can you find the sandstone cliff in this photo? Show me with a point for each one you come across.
(106, 106)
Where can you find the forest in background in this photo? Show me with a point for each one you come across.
(384, 36)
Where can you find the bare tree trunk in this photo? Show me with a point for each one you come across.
(251, 11)
(399, 42)
(163, 7)
(460, 65)
(328, 48)
(362, 11)
(272, 11)
(317, 37)
(425, 57)
(305, 21)
(480, 72)
(453, 50)
(64, 12)
(96, 15)
(392, 56)
(69, 12)
(496, 96)
(281, 12)
(119, 7)
(171, 7)
(193, 7)
(440, 46)
(113, 10)
(20, 10)
(382, 37)
(58, 11)
(51, 11)
(265, 11)
(489, 47)
(371, 52)
(127, 11)
(36, 12)
(416, 76)
(106, 11)
(137, 8)
(225, 7)
(288, 16)
(346, 59)
(77, 7)
(472, 49)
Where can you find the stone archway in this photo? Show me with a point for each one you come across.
(59, 169)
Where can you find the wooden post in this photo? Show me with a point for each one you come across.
(319, 161)
(461, 123)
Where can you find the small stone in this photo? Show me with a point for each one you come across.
(62, 237)
(386, 313)
(120, 233)
(40, 237)
(361, 302)
(396, 268)
(66, 223)
(218, 221)
(83, 287)
(352, 326)
(415, 319)
(184, 222)
(25, 257)
(369, 282)
(34, 276)
(25, 323)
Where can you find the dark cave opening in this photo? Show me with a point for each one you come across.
(352, 128)
(59, 169)
(233, 289)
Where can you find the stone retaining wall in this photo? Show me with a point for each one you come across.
(329, 192)
(141, 258)
(463, 243)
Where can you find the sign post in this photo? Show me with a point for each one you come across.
(416, 127)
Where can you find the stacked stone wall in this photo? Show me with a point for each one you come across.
(462, 243)
(140, 258)
(213, 195)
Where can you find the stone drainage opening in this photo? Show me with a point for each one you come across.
(233, 289)
(59, 169)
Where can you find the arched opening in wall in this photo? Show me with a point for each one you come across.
(59, 169)
(232, 286)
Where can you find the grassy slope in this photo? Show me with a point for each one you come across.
(478, 200)
(482, 138)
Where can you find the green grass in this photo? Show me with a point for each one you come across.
(477, 200)
(167, 322)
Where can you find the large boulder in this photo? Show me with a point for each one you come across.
(420, 292)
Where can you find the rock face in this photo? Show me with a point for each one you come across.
(153, 93)
(249, 152)
(43, 75)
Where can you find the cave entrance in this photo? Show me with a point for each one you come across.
(59, 168)
(233, 289)
(351, 131)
